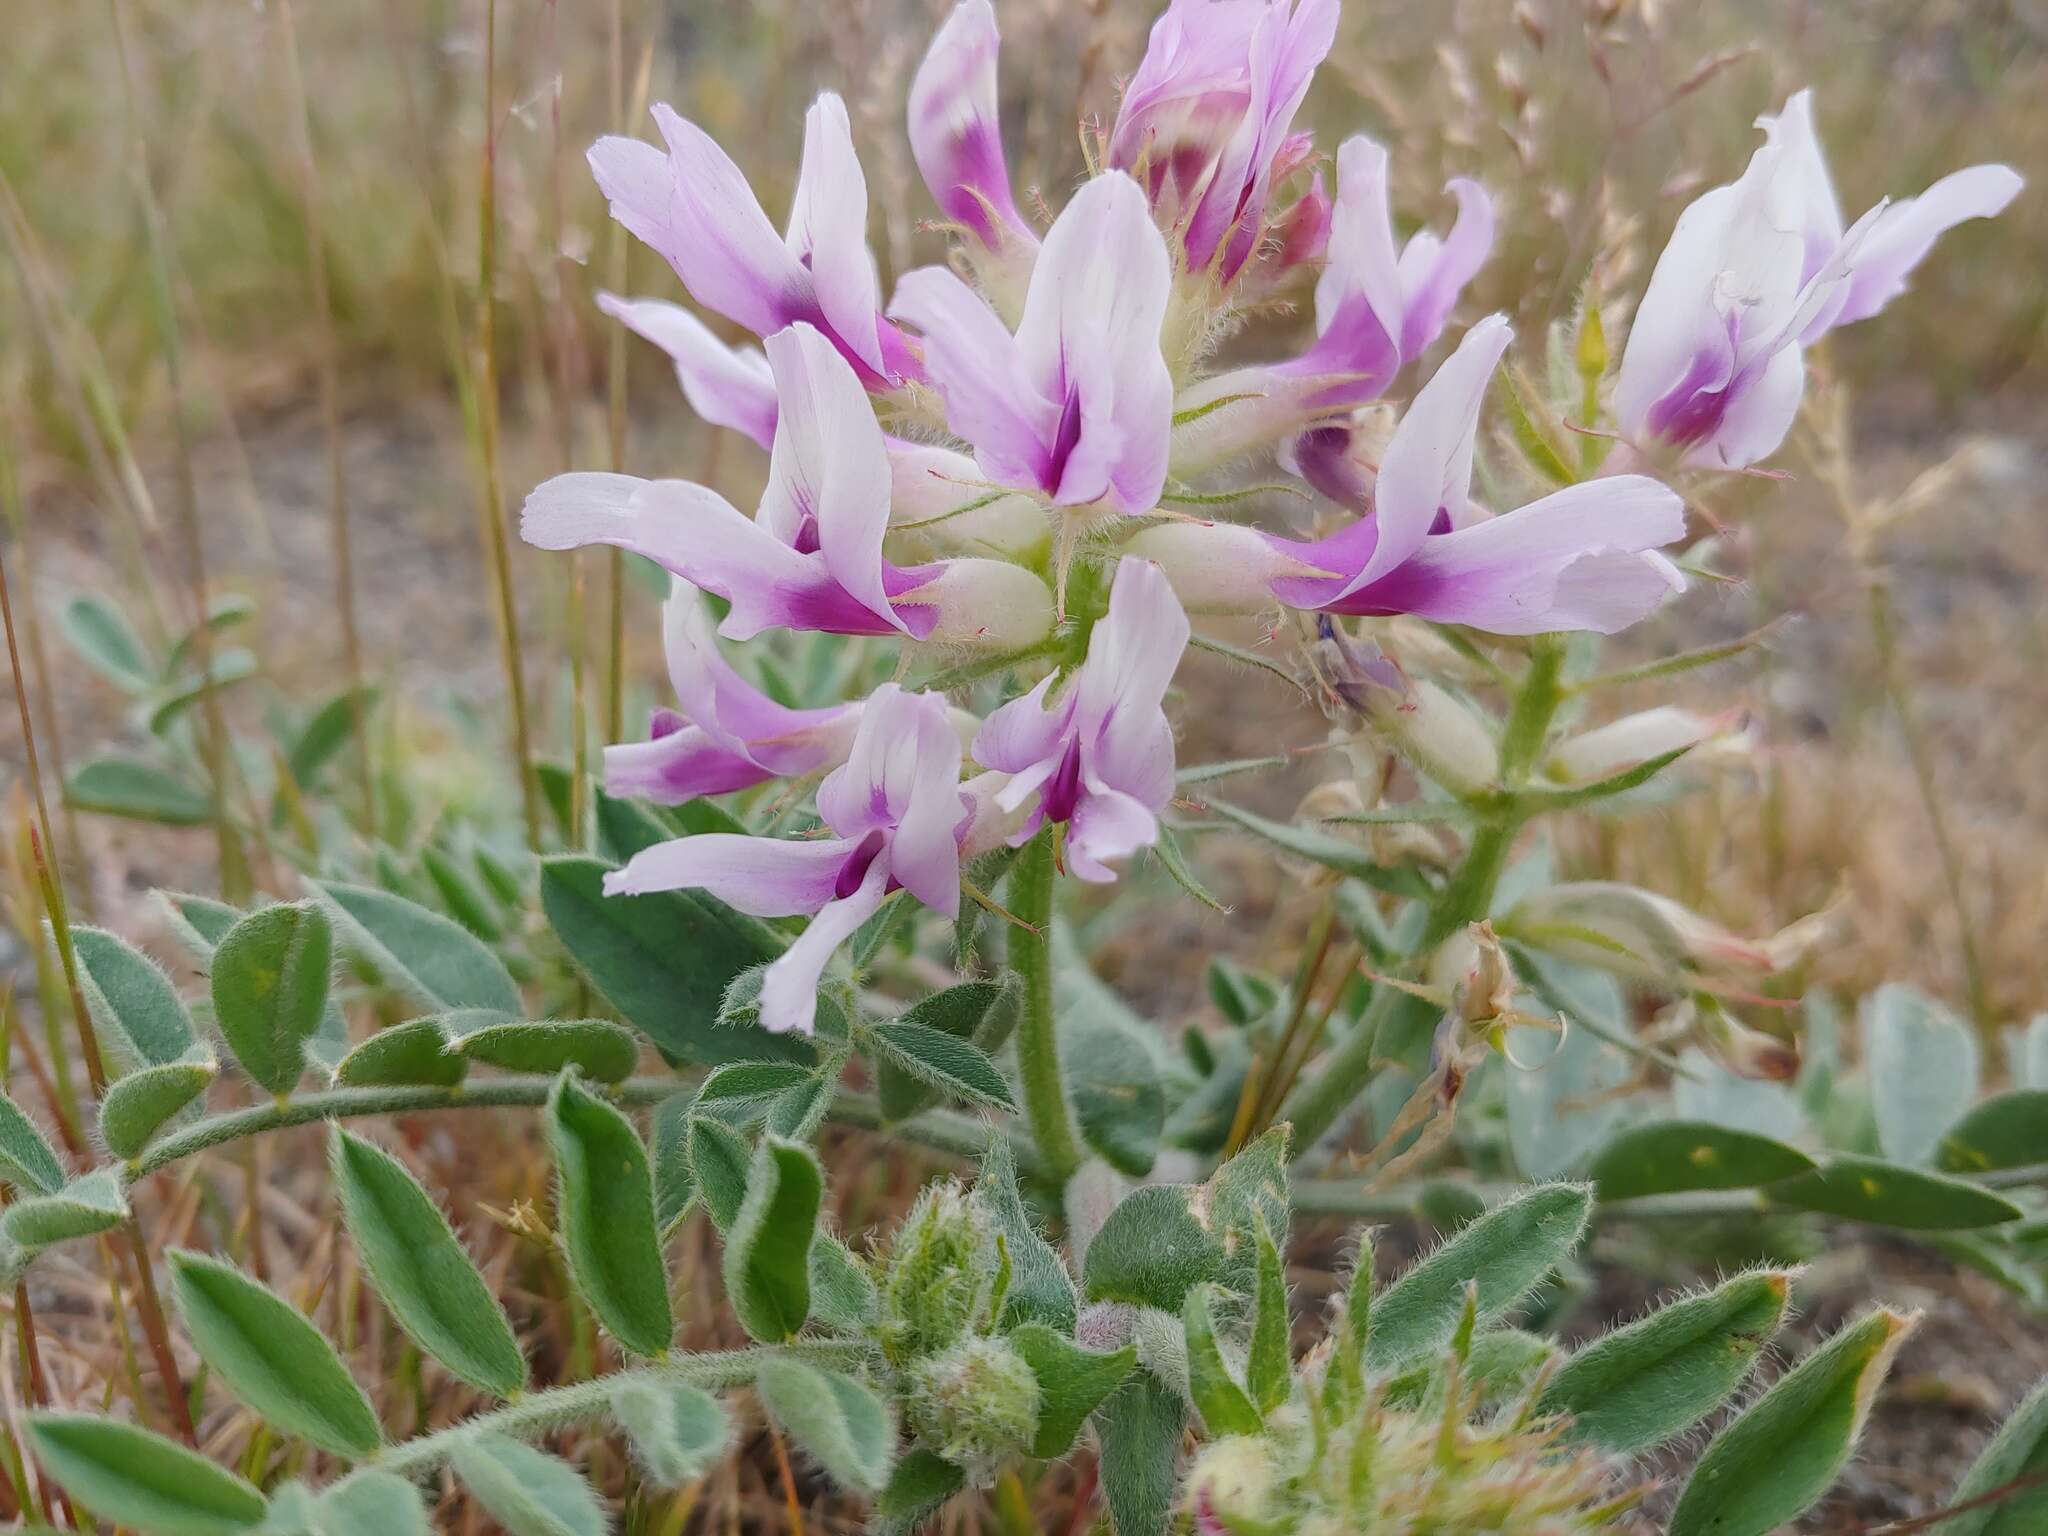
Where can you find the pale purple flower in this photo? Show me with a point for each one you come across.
(1378, 306)
(935, 489)
(1099, 757)
(1759, 269)
(895, 811)
(1207, 118)
(1078, 404)
(812, 557)
(728, 734)
(694, 207)
(956, 133)
(1579, 558)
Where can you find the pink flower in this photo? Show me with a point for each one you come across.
(895, 810)
(1576, 559)
(811, 558)
(1207, 117)
(728, 734)
(1100, 757)
(694, 206)
(956, 132)
(1077, 405)
(1377, 308)
(1759, 269)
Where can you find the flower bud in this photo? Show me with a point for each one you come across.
(1231, 1486)
(1635, 739)
(940, 1270)
(1744, 1051)
(985, 602)
(1637, 933)
(976, 1405)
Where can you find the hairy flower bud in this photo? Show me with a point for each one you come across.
(975, 1405)
(938, 1275)
(1636, 739)
(1637, 933)
(1230, 1487)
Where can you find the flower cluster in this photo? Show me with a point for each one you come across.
(1049, 397)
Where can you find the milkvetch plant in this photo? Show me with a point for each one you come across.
(923, 694)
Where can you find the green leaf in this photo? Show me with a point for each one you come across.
(719, 1158)
(956, 1067)
(1140, 1427)
(1508, 1252)
(272, 1357)
(768, 1251)
(1784, 1450)
(198, 922)
(677, 1431)
(843, 1294)
(372, 1503)
(1544, 802)
(135, 1478)
(270, 977)
(134, 1108)
(107, 642)
(91, 1203)
(1922, 1064)
(1886, 1195)
(834, 1419)
(413, 1053)
(663, 960)
(1247, 1196)
(1268, 1372)
(1108, 1062)
(1072, 1383)
(1040, 1288)
(122, 786)
(982, 1013)
(2019, 1450)
(1635, 1388)
(920, 1484)
(230, 666)
(2007, 1130)
(27, 1160)
(1226, 1408)
(327, 733)
(421, 1270)
(1152, 1250)
(740, 1092)
(461, 894)
(133, 1005)
(1668, 1156)
(225, 612)
(600, 1050)
(607, 1217)
(431, 958)
(1319, 847)
(528, 1492)
(1174, 861)
(675, 1181)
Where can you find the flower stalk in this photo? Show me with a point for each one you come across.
(1038, 1056)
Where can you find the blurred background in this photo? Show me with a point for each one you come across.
(242, 286)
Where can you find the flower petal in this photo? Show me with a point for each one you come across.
(829, 469)
(718, 239)
(956, 131)
(727, 386)
(1024, 732)
(1089, 340)
(1428, 463)
(1434, 272)
(1108, 826)
(761, 876)
(828, 232)
(789, 987)
(1907, 230)
(991, 400)
(678, 767)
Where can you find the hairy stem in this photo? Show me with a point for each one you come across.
(1038, 1053)
(583, 1401)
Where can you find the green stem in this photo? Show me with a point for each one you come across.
(1466, 897)
(539, 1412)
(1038, 1055)
(944, 1131)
